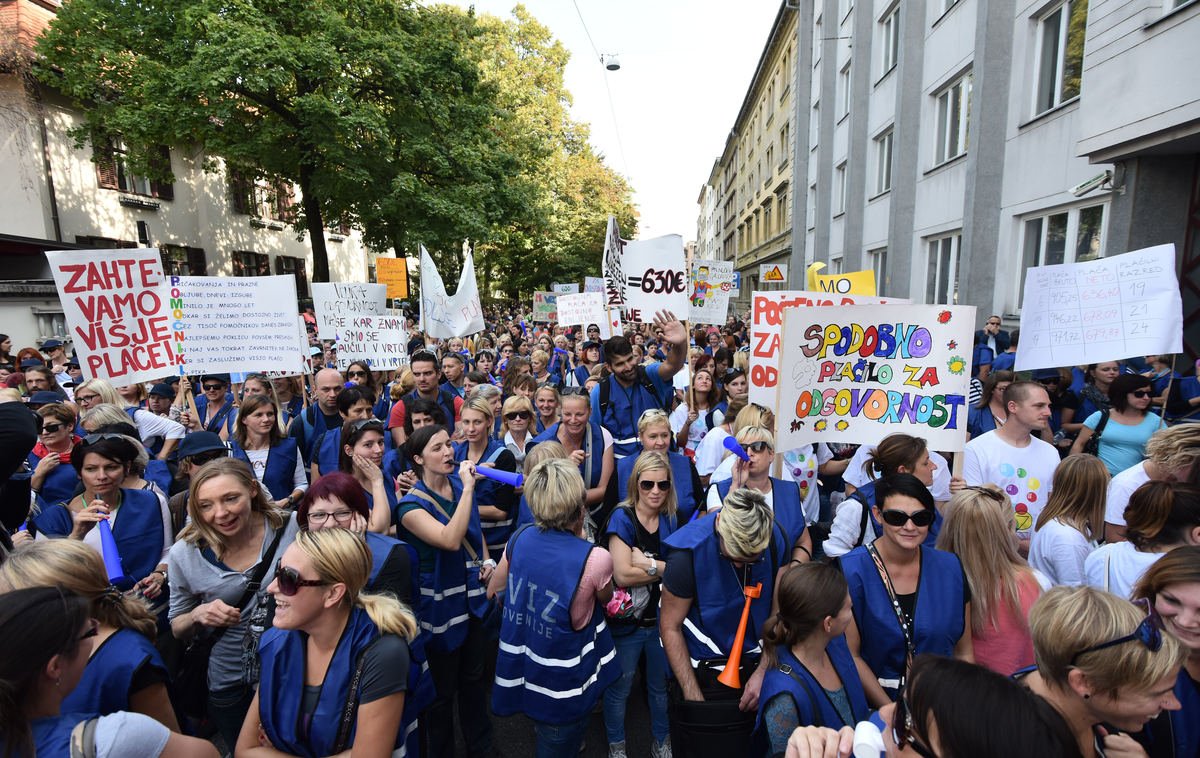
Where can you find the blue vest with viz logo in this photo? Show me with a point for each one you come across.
(681, 473)
(593, 444)
(546, 669)
(937, 623)
(712, 620)
(788, 507)
(488, 491)
(59, 485)
(281, 466)
(815, 700)
(281, 688)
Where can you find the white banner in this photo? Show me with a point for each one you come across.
(593, 284)
(444, 316)
(582, 309)
(656, 278)
(357, 317)
(1107, 309)
(711, 282)
(614, 274)
(564, 289)
(336, 304)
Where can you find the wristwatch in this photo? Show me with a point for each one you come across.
(653, 570)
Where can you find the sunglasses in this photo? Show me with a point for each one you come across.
(289, 580)
(574, 391)
(213, 387)
(320, 517)
(894, 517)
(1149, 632)
(199, 459)
(364, 422)
(902, 728)
(92, 439)
(648, 486)
(1048, 382)
(986, 491)
(758, 447)
(51, 428)
(93, 630)
(355, 374)
(1140, 393)
(517, 415)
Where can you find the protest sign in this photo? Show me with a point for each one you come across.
(766, 325)
(856, 374)
(853, 283)
(710, 285)
(593, 284)
(772, 273)
(655, 273)
(118, 308)
(443, 316)
(1106, 309)
(564, 289)
(394, 273)
(335, 304)
(238, 324)
(365, 330)
(545, 306)
(612, 266)
(581, 310)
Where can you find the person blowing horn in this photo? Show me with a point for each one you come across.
(718, 591)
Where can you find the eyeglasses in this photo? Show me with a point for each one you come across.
(1048, 382)
(1140, 393)
(574, 391)
(1149, 632)
(289, 580)
(987, 492)
(355, 374)
(365, 422)
(92, 439)
(51, 428)
(213, 387)
(648, 486)
(320, 517)
(894, 517)
(902, 728)
(758, 447)
(517, 415)
(93, 630)
(85, 398)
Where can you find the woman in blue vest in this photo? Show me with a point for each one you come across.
(907, 599)
(438, 518)
(588, 445)
(548, 402)
(551, 567)
(289, 391)
(495, 502)
(261, 443)
(362, 458)
(54, 479)
(125, 671)
(783, 496)
(1172, 585)
(635, 536)
(47, 637)
(517, 416)
(990, 412)
(353, 403)
(811, 678)
(654, 435)
(589, 354)
(331, 636)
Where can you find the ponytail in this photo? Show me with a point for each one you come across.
(1160, 514)
(894, 451)
(808, 594)
(388, 613)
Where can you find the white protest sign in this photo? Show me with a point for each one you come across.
(656, 278)
(444, 316)
(711, 282)
(582, 309)
(120, 313)
(564, 289)
(335, 304)
(614, 274)
(363, 326)
(593, 284)
(766, 326)
(239, 324)
(856, 374)
(1107, 309)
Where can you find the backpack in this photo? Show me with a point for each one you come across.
(643, 379)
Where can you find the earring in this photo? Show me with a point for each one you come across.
(1087, 697)
(58, 681)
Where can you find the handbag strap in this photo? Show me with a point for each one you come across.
(817, 719)
(909, 647)
(350, 709)
(252, 586)
(466, 545)
(1101, 424)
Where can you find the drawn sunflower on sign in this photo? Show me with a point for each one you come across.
(944, 317)
(820, 426)
(957, 365)
(842, 426)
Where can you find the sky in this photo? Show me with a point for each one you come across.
(685, 67)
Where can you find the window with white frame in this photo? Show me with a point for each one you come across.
(839, 188)
(844, 90)
(814, 129)
(890, 47)
(1074, 235)
(812, 206)
(883, 162)
(835, 266)
(768, 232)
(785, 146)
(1060, 54)
(953, 119)
(818, 41)
(941, 279)
(879, 265)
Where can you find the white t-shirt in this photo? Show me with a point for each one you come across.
(799, 466)
(150, 426)
(1059, 551)
(130, 735)
(940, 489)
(711, 451)
(258, 462)
(698, 430)
(1125, 566)
(1025, 473)
(1120, 488)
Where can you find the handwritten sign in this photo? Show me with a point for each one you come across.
(852, 283)
(545, 306)
(856, 374)
(710, 284)
(364, 328)
(613, 266)
(394, 273)
(766, 328)
(336, 303)
(593, 284)
(564, 289)
(655, 277)
(581, 310)
(1108, 309)
(443, 316)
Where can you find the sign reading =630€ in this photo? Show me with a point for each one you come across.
(658, 282)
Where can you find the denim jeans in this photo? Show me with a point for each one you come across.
(228, 709)
(629, 649)
(561, 740)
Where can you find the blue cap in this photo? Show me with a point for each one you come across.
(31, 362)
(74, 359)
(45, 397)
(51, 343)
(1046, 373)
(163, 390)
(219, 377)
(201, 442)
(315, 351)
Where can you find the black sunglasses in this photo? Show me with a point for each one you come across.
(894, 517)
(516, 415)
(199, 459)
(1149, 632)
(289, 580)
(647, 486)
(213, 387)
(52, 428)
(902, 728)
(355, 374)
(92, 439)
(1140, 393)
(574, 391)
(757, 447)
(364, 422)
(1048, 382)
(987, 492)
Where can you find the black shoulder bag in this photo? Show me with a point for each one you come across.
(1092, 446)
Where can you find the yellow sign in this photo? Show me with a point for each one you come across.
(853, 283)
(769, 273)
(394, 273)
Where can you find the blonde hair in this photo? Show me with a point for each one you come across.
(749, 434)
(1080, 496)
(982, 532)
(652, 417)
(403, 385)
(555, 493)
(741, 360)
(746, 523)
(753, 415)
(543, 451)
(485, 391)
(197, 531)
(107, 392)
(13, 394)
(541, 356)
(1174, 447)
(339, 556)
(106, 413)
(513, 405)
(1068, 620)
(478, 403)
(651, 460)
(77, 567)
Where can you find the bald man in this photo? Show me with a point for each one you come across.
(321, 416)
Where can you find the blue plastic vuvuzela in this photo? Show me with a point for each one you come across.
(731, 444)
(108, 547)
(511, 478)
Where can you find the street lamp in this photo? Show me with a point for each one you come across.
(610, 62)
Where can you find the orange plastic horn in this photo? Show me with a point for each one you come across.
(731, 676)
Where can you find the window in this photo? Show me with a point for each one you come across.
(767, 229)
(879, 265)
(1070, 236)
(285, 264)
(178, 260)
(251, 264)
(750, 195)
(883, 168)
(941, 282)
(770, 161)
(1060, 55)
(835, 266)
(812, 206)
(112, 171)
(844, 8)
(784, 146)
(890, 48)
(104, 243)
(771, 97)
(953, 118)
(757, 229)
(839, 188)
(814, 129)
(781, 202)
(818, 41)
(844, 90)
(741, 238)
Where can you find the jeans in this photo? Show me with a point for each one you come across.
(228, 709)
(459, 672)
(629, 649)
(561, 740)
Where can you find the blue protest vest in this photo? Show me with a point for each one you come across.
(327, 449)
(159, 473)
(1185, 722)
(581, 375)
(444, 399)
(868, 492)
(546, 669)
(383, 406)
(712, 620)
(595, 438)
(294, 408)
(312, 429)
(681, 472)
(776, 681)
(980, 421)
(395, 463)
(788, 507)
(389, 489)
(710, 418)
(936, 625)
(53, 520)
(138, 530)
(488, 492)
(456, 391)
(52, 735)
(105, 684)
(281, 466)
(620, 523)
(280, 691)
(451, 592)
(224, 417)
(59, 485)
(621, 416)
